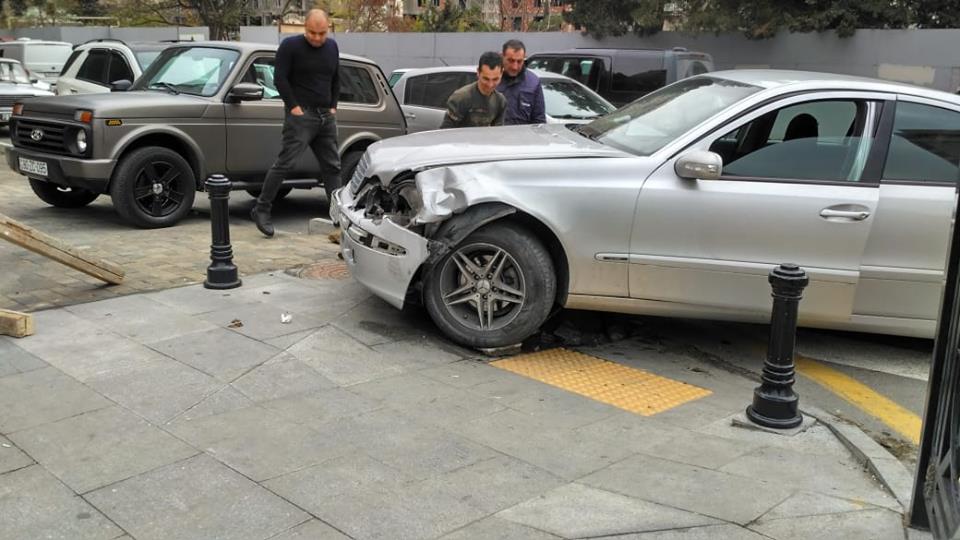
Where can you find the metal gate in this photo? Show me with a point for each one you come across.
(936, 492)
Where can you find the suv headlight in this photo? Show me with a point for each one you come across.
(82, 141)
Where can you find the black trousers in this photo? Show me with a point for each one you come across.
(316, 131)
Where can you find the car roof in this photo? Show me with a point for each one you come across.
(246, 47)
(22, 41)
(132, 45)
(778, 78)
(9, 60)
(413, 72)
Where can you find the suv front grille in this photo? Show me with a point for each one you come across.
(52, 135)
(360, 172)
(8, 101)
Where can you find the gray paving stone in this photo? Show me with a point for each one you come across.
(34, 504)
(375, 322)
(814, 504)
(158, 389)
(701, 449)
(58, 326)
(421, 450)
(282, 379)
(495, 484)
(15, 360)
(567, 453)
(41, 396)
(712, 493)
(709, 532)
(493, 528)
(219, 353)
(259, 443)
(370, 500)
(319, 407)
(817, 440)
(262, 321)
(100, 447)
(195, 299)
(343, 359)
(140, 318)
(468, 373)
(311, 530)
(422, 352)
(839, 477)
(866, 525)
(576, 511)
(225, 400)
(287, 341)
(196, 498)
(115, 355)
(427, 400)
(11, 457)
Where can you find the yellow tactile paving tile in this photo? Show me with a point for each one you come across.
(630, 389)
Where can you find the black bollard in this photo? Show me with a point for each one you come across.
(775, 404)
(222, 273)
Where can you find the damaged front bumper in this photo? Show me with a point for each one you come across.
(380, 254)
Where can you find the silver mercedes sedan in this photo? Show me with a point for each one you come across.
(678, 204)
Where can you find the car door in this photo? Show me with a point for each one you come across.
(254, 127)
(91, 77)
(425, 97)
(902, 273)
(793, 190)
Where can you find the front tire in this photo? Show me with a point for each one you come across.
(62, 197)
(153, 187)
(494, 289)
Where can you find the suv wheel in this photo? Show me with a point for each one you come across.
(153, 187)
(494, 289)
(62, 197)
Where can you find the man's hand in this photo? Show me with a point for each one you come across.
(296, 111)
(333, 111)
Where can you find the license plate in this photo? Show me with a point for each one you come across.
(32, 166)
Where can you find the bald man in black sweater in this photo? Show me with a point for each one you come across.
(307, 75)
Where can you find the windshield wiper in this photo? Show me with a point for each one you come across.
(587, 132)
(172, 88)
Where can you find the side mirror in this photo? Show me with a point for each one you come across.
(699, 165)
(245, 92)
(120, 86)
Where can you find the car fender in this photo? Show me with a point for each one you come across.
(362, 137)
(454, 230)
(137, 134)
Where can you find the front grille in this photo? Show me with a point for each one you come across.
(8, 101)
(53, 137)
(360, 172)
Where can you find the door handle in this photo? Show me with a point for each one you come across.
(409, 116)
(852, 215)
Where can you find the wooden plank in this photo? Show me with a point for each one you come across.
(50, 247)
(15, 324)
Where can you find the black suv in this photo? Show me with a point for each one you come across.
(623, 75)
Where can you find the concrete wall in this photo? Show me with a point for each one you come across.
(81, 34)
(926, 57)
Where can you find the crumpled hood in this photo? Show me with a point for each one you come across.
(136, 104)
(429, 149)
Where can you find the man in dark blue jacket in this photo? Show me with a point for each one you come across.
(307, 76)
(521, 87)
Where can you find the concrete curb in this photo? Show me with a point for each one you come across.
(888, 469)
(320, 226)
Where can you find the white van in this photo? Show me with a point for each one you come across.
(44, 59)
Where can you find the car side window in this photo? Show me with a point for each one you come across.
(119, 68)
(924, 146)
(434, 89)
(94, 67)
(638, 73)
(261, 72)
(357, 86)
(69, 63)
(819, 140)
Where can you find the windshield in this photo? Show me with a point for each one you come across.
(649, 123)
(11, 72)
(569, 100)
(199, 71)
(145, 58)
(53, 54)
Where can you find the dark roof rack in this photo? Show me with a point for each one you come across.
(100, 40)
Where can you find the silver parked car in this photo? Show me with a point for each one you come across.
(423, 94)
(678, 204)
(16, 84)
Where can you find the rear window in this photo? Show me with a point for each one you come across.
(42, 53)
(925, 146)
(434, 89)
(356, 86)
(638, 73)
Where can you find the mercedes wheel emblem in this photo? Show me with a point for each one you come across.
(36, 134)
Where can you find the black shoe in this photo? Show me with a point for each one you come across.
(262, 219)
